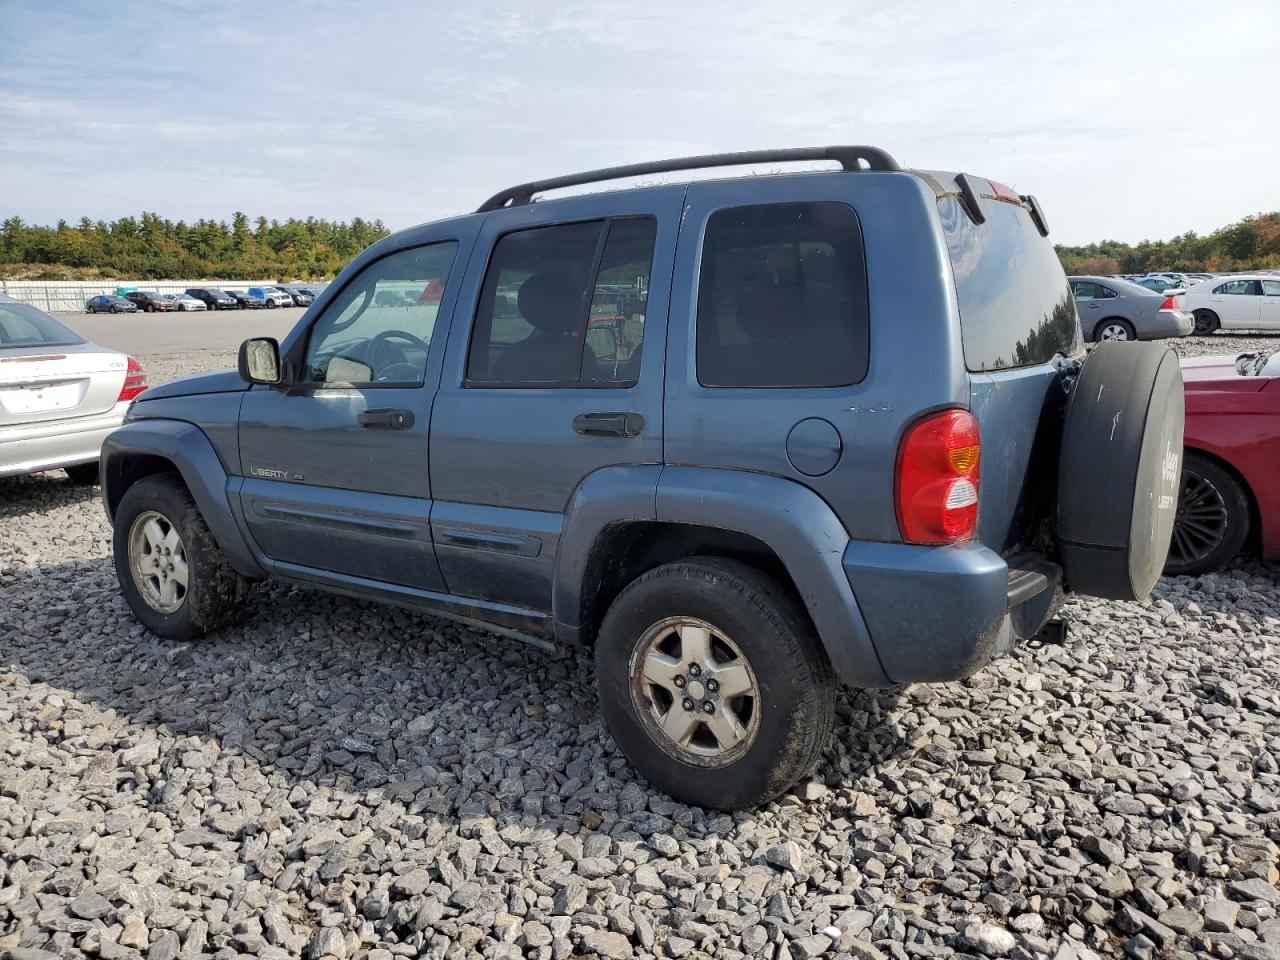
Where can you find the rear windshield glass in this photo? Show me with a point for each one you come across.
(1016, 307)
(25, 326)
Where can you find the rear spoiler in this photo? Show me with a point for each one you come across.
(969, 188)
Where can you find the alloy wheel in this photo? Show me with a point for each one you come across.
(1114, 331)
(1201, 521)
(158, 562)
(695, 692)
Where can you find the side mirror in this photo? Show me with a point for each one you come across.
(259, 360)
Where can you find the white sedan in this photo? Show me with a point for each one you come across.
(186, 302)
(60, 395)
(1235, 303)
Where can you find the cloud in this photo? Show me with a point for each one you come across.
(1123, 123)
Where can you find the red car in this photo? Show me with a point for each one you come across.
(1231, 472)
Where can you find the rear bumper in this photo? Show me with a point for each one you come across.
(941, 613)
(1167, 323)
(48, 445)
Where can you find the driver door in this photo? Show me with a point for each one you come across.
(335, 481)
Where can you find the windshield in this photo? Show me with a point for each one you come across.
(25, 326)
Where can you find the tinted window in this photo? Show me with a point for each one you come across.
(379, 328)
(25, 326)
(782, 297)
(564, 305)
(1240, 288)
(1016, 307)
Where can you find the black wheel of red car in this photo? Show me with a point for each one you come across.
(1212, 523)
(1206, 322)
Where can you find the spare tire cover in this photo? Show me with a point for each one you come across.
(1120, 470)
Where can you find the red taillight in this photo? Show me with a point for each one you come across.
(1169, 304)
(937, 478)
(135, 381)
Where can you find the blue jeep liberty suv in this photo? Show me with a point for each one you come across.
(747, 437)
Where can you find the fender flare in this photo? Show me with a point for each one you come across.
(792, 520)
(188, 448)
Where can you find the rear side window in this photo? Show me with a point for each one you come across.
(782, 297)
(1241, 288)
(564, 306)
(1016, 308)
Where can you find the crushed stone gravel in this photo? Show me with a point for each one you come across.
(336, 779)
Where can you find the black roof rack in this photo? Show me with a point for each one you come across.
(850, 158)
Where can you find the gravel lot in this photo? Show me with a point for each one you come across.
(336, 778)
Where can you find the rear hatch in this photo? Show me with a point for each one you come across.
(58, 383)
(1018, 328)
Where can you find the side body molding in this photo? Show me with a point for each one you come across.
(806, 535)
(189, 449)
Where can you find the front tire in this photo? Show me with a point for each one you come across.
(1207, 323)
(714, 684)
(171, 571)
(1114, 328)
(1212, 523)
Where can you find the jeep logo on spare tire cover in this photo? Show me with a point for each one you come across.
(1120, 468)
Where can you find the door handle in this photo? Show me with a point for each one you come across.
(386, 419)
(609, 424)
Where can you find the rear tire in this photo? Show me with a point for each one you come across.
(83, 474)
(180, 551)
(686, 624)
(1114, 328)
(1213, 518)
(1207, 323)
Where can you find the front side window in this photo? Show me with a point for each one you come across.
(378, 329)
(564, 306)
(1271, 288)
(782, 297)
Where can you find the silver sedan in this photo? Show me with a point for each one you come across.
(1115, 309)
(60, 395)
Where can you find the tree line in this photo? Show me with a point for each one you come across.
(151, 247)
(1251, 244)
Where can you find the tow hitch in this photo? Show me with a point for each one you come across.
(1053, 632)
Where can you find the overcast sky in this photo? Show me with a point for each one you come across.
(1128, 120)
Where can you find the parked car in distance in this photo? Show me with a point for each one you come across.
(1157, 284)
(1235, 303)
(151, 301)
(109, 303)
(740, 488)
(214, 298)
(1120, 310)
(1229, 498)
(272, 296)
(299, 298)
(60, 395)
(247, 301)
(186, 303)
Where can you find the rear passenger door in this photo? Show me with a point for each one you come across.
(559, 375)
